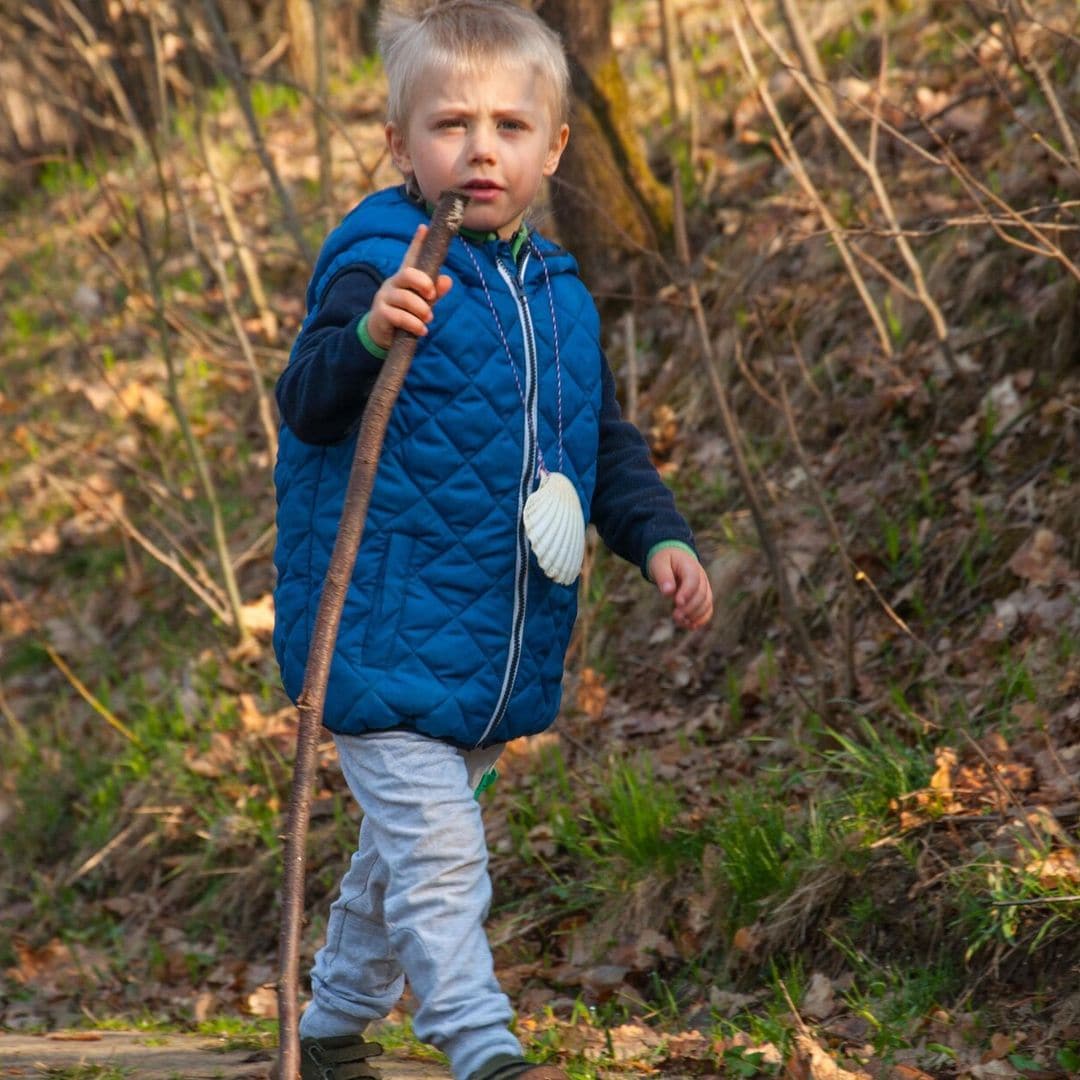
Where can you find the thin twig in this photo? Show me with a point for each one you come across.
(979, 192)
(62, 666)
(772, 553)
(678, 99)
(100, 856)
(262, 398)
(789, 156)
(1037, 70)
(873, 174)
(804, 44)
(22, 733)
(322, 133)
(1036, 900)
(848, 564)
(93, 54)
(198, 458)
(235, 230)
(236, 80)
(204, 589)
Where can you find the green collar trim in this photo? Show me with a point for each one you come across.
(515, 241)
(477, 237)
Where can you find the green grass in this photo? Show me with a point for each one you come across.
(874, 768)
(240, 1033)
(398, 1037)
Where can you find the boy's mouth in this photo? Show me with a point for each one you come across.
(482, 189)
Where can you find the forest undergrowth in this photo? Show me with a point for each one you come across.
(835, 830)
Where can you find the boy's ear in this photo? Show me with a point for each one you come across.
(399, 152)
(558, 145)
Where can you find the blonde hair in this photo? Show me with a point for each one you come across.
(466, 35)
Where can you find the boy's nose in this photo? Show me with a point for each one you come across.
(482, 147)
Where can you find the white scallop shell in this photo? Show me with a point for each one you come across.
(555, 527)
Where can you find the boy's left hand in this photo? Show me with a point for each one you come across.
(677, 574)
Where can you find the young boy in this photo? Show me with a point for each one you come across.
(453, 636)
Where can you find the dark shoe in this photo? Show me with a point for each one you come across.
(505, 1067)
(342, 1058)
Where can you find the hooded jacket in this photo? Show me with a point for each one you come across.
(449, 628)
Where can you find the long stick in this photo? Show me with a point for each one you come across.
(444, 225)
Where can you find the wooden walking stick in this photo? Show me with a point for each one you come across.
(445, 222)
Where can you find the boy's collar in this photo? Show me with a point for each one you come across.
(515, 241)
(479, 237)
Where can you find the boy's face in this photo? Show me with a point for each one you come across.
(489, 134)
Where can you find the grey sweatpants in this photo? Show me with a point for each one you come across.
(413, 903)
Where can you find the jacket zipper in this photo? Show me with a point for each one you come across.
(521, 566)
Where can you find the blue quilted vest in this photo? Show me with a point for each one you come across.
(450, 628)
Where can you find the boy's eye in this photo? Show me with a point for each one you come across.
(512, 125)
(450, 122)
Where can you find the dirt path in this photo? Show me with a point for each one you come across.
(148, 1056)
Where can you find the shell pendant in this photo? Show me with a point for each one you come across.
(555, 527)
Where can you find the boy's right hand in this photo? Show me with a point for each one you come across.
(405, 299)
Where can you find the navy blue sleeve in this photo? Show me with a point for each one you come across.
(632, 508)
(322, 392)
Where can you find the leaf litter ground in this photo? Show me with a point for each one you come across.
(627, 944)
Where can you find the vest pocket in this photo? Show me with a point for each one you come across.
(382, 635)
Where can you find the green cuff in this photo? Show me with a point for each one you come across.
(660, 547)
(368, 341)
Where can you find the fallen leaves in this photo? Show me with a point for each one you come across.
(1039, 561)
(809, 1061)
(993, 774)
(819, 999)
(591, 694)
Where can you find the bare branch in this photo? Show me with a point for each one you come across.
(873, 174)
(790, 157)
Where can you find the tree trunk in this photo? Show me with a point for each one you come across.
(604, 195)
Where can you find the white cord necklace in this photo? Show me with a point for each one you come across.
(553, 518)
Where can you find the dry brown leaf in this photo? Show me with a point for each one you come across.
(746, 939)
(256, 722)
(148, 403)
(205, 1005)
(908, 1072)
(15, 618)
(815, 1063)
(1060, 867)
(664, 430)
(1037, 561)
(542, 840)
(942, 780)
(630, 1041)
(262, 1002)
(217, 761)
(819, 1001)
(689, 1046)
(991, 1070)
(258, 616)
(591, 695)
(645, 951)
(1000, 1046)
(603, 980)
(728, 1003)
